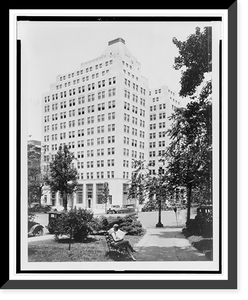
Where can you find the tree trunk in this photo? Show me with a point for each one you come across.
(40, 194)
(189, 190)
(65, 201)
(72, 201)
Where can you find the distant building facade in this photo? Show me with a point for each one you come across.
(162, 103)
(106, 114)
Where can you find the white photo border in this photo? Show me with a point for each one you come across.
(13, 274)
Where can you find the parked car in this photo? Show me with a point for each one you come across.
(37, 208)
(204, 209)
(50, 208)
(52, 215)
(35, 229)
(114, 209)
(128, 208)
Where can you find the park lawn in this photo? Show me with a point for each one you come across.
(94, 249)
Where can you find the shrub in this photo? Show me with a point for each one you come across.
(77, 224)
(128, 223)
(201, 225)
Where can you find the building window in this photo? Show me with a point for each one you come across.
(80, 194)
(89, 193)
(53, 198)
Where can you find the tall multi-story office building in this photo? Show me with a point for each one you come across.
(102, 112)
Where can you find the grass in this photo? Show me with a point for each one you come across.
(93, 249)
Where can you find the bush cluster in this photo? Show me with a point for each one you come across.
(201, 225)
(128, 223)
(78, 224)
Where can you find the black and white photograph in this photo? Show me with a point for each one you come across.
(121, 145)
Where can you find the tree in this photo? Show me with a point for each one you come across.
(76, 224)
(137, 188)
(157, 185)
(62, 175)
(189, 154)
(195, 58)
(143, 185)
(36, 175)
(105, 194)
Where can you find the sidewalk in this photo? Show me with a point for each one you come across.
(40, 238)
(166, 244)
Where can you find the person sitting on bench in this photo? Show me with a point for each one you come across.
(118, 237)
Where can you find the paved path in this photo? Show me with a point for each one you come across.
(166, 244)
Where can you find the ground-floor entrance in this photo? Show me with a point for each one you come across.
(89, 195)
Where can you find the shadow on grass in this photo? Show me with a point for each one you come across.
(117, 256)
(169, 235)
(32, 251)
(84, 241)
(206, 244)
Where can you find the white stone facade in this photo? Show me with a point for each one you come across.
(102, 111)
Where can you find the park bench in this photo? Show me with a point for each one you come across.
(112, 245)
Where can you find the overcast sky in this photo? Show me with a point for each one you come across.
(53, 48)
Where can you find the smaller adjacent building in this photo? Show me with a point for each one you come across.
(163, 102)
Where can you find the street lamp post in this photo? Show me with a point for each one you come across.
(158, 193)
(159, 224)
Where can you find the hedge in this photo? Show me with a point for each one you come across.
(77, 224)
(201, 225)
(128, 223)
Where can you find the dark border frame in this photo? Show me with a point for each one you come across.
(231, 283)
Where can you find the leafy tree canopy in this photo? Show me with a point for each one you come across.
(195, 59)
(189, 154)
(136, 189)
(63, 176)
(105, 193)
(36, 175)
